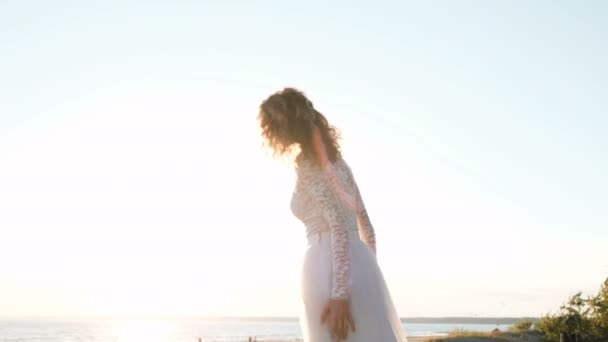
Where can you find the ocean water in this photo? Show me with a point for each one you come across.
(185, 330)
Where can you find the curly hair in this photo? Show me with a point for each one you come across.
(289, 120)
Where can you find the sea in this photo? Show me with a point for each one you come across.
(198, 329)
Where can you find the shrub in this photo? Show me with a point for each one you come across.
(522, 326)
(599, 311)
(582, 318)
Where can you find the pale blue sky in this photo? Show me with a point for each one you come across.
(476, 129)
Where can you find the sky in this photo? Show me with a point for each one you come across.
(133, 179)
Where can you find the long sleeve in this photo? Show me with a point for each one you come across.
(366, 230)
(323, 192)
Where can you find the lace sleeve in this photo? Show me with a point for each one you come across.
(366, 230)
(319, 185)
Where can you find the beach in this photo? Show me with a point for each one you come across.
(465, 337)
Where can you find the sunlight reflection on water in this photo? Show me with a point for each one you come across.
(143, 330)
(185, 330)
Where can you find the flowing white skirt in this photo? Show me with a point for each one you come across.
(373, 311)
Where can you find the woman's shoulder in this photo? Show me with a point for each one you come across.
(304, 163)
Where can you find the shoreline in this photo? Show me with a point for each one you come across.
(409, 339)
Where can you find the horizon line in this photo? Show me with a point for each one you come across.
(238, 317)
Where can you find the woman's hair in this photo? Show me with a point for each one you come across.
(288, 119)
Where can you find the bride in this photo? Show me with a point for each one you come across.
(344, 293)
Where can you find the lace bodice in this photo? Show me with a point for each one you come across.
(327, 199)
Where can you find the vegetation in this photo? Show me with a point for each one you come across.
(580, 318)
(466, 333)
(494, 336)
(522, 326)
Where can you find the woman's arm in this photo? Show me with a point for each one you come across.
(366, 229)
(320, 189)
(336, 313)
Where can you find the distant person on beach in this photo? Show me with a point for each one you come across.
(344, 293)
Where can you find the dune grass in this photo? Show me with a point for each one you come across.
(466, 333)
(475, 336)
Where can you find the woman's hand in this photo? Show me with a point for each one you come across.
(337, 313)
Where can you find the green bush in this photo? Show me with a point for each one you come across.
(599, 311)
(550, 326)
(585, 318)
(522, 326)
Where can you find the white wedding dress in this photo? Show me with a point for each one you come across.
(340, 261)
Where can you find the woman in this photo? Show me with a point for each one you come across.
(345, 296)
